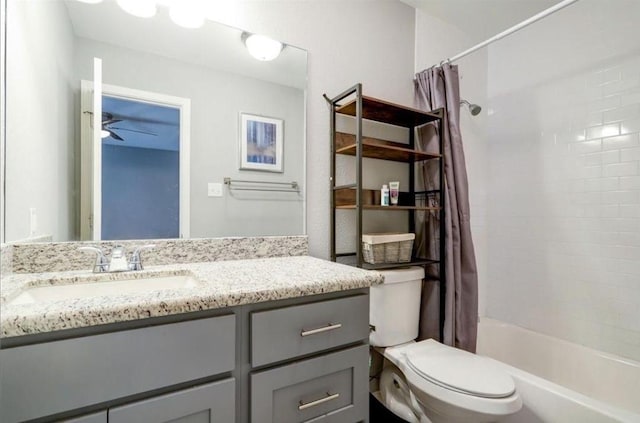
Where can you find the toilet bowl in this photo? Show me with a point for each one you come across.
(445, 384)
(426, 381)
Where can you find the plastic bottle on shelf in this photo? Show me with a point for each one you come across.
(384, 195)
(394, 192)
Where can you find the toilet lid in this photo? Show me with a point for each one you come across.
(461, 371)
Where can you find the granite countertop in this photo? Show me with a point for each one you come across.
(220, 284)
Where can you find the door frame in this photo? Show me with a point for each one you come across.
(89, 169)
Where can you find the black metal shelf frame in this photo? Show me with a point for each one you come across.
(437, 116)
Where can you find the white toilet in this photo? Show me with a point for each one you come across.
(427, 381)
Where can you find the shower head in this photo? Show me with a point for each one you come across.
(474, 109)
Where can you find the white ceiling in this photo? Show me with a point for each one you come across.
(482, 19)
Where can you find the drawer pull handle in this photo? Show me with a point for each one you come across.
(320, 330)
(329, 397)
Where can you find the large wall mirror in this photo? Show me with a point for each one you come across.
(131, 125)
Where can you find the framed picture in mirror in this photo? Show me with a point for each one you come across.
(261, 140)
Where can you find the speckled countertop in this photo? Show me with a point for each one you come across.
(220, 284)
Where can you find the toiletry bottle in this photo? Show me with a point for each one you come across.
(394, 192)
(384, 195)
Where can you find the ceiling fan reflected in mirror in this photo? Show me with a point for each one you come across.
(109, 131)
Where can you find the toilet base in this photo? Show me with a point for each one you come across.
(378, 413)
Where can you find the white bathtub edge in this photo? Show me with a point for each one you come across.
(592, 404)
(610, 385)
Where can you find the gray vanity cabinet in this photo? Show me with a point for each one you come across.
(319, 386)
(211, 403)
(288, 361)
(55, 377)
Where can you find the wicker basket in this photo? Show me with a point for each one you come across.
(387, 248)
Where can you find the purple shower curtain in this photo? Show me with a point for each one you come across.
(436, 88)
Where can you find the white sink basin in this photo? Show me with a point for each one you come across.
(50, 293)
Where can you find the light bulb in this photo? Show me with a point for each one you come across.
(104, 133)
(263, 48)
(140, 8)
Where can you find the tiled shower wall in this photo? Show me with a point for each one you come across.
(564, 177)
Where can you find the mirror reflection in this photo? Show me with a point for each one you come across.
(123, 127)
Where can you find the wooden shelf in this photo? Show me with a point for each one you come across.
(345, 195)
(386, 112)
(345, 199)
(350, 260)
(380, 149)
(386, 208)
(413, 262)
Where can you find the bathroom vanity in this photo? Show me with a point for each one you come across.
(268, 340)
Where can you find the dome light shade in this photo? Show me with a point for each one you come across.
(186, 14)
(140, 8)
(262, 48)
(104, 133)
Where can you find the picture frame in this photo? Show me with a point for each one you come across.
(261, 143)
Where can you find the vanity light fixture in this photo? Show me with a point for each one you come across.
(187, 14)
(140, 8)
(261, 47)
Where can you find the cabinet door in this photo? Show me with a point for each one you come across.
(214, 402)
(100, 417)
(328, 389)
(54, 377)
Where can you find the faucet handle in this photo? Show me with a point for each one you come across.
(136, 257)
(101, 264)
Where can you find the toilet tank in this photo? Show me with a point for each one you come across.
(395, 307)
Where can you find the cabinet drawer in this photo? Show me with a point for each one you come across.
(44, 379)
(214, 402)
(308, 328)
(330, 388)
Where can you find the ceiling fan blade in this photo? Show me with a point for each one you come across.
(111, 121)
(146, 120)
(133, 130)
(114, 135)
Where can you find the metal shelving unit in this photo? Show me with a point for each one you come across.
(353, 196)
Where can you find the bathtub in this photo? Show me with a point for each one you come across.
(560, 381)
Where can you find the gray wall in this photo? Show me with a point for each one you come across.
(39, 154)
(217, 98)
(371, 42)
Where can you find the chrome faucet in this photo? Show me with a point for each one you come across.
(136, 258)
(118, 261)
(101, 264)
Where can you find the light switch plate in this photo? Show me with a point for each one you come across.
(33, 221)
(214, 189)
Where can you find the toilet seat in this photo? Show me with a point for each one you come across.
(460, 371)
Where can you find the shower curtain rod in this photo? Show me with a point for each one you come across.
(511, 30)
